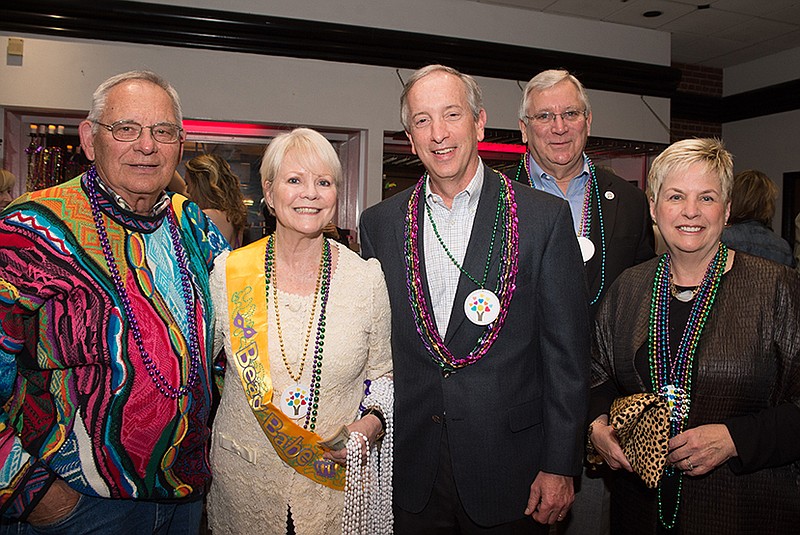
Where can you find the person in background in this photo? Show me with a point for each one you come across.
(305, 324)
(749, 227)
(211, 183)
(106, 332)
(7, 183)
(177, 184)
(716, 333)
(609, 216)
(490, 330)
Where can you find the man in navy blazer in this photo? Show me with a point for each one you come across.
(610, 216)
(490, 330)
(555, 119)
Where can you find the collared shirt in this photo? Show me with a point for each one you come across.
(161, 203)
(575, 190)
(455, 227)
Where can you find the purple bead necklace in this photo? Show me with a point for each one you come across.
(156, 376)
(585, 228)
(424, 319)
(671, 375)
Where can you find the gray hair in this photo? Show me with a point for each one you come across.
(100, 96)
(547, 79)
(471, 88)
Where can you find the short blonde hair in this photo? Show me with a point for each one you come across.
(311, 149)
(7, 180)
(681, 154)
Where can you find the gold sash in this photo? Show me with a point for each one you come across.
(247, 312)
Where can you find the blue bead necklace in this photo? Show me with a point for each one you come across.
(586, 215)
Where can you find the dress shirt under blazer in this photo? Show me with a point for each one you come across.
(520, 409)
(627, 226)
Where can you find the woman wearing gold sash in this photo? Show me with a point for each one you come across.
(305, 326)
(715, 334)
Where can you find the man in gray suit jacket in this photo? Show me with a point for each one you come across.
(489, 329)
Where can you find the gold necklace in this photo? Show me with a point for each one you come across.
(274, 281)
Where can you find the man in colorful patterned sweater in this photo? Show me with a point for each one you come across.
(105, 332)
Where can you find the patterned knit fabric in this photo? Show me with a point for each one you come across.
(77, 400)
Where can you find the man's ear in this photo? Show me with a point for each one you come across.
(87, 138)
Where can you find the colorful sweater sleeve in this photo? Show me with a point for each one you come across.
(24, 478)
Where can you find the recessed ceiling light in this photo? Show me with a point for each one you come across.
(652, 14)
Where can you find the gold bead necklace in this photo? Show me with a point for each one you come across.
(274, 281)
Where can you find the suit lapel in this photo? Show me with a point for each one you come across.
(475, 258)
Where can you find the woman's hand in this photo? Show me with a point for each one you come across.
(369, 426)
(604, 439)
(701, 449)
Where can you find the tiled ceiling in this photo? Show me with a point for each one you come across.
(714, 33)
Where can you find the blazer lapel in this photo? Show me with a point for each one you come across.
(475, 259)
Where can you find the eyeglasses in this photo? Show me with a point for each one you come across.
(129, 131)
(547, 117)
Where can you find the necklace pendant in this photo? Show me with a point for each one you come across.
(295, 401)
(587, 248)
(684, 296)
(676, 399)
(482, 307)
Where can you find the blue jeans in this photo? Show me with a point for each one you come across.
(119, 517)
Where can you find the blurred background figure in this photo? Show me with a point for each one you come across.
(7, 181)
(215, 188)
(750, 225)
(177, 184)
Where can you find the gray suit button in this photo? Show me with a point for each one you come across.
(436, 418)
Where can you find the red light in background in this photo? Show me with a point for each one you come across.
(501, 147)
(194, 126)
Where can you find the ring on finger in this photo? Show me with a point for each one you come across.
(689, 465)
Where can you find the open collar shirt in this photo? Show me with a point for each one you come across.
(575, 190)
(454, 225)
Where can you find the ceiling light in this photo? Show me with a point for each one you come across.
(652, 14)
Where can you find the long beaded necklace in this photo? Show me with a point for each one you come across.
(296, 378)
(156, 376)
(482, 283)
(425, 323)
(324, 288)
(672, 376)
(585, 227)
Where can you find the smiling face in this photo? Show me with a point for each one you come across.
(691, 211)
(140, 170)
(444, 134)
(302, 195)
(558, 145)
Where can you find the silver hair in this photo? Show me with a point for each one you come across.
(547, 79)
(100, 96)
(471, 88)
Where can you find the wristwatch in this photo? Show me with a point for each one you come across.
(379, 415)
